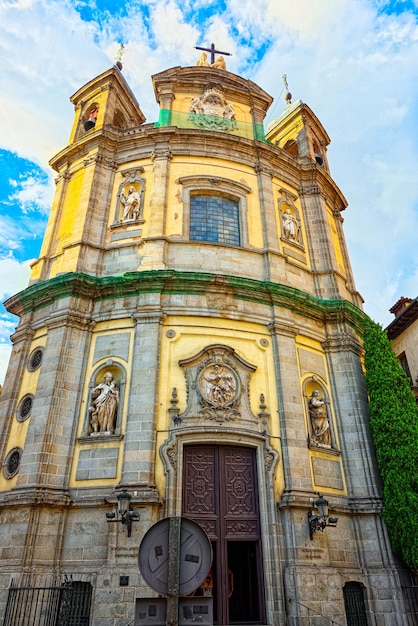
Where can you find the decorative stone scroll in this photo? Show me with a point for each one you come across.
(217, 382)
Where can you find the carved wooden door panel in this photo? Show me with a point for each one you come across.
(220, 493)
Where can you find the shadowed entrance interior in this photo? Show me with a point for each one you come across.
(220, 493)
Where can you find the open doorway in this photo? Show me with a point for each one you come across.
(220, 493)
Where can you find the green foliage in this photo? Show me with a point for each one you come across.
(394, 425)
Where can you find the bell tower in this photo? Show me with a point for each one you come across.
(76, 231)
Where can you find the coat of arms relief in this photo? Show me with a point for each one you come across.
(211, 111)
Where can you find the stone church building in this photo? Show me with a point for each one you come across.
(190, 345)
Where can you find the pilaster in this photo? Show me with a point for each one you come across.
(319, 236)
(343, 351)
(51, 433)
(140, 436)
(21, 339)
(296, 468)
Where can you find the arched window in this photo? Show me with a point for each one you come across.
(214, 218)
(355, 608)
(291, 147)
(214, 209)
(89, 117)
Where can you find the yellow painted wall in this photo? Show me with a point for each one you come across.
(50, 229)
(285, 131)
(18, 430)
(336, 242)
(193, 334)
(66, 231)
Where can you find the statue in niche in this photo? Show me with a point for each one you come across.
(104, 408)
(219, 385)
(131, 204)
(290, 226)
(321, 435)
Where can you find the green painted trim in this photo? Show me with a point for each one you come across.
(164, 118)
(259, 132)
(79, 285)
(195, 121)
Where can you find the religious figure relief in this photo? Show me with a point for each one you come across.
(217, 388)
(321, 435)
(291, 226)
(104, 406)
(218, 384)
(218, 63)
(211, 111)
(131, 202)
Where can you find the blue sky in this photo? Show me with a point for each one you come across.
(354, 62)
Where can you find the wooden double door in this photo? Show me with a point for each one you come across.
(220, 493)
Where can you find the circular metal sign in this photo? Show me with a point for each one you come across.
(194, 560)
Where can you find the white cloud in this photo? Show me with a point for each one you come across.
(32, 194)
(43, 64)
(14, 276)
(5, 351)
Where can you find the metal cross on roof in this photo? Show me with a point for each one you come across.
(213, 51)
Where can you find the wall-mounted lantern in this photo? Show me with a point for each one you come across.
(321, 520)
(125, 515)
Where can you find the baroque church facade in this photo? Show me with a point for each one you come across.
(191, 337)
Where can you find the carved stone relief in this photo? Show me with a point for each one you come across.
(211, 111)
(220, 295)
(217, 381)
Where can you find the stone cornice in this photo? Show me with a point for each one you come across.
(307, 177)
(96, 289)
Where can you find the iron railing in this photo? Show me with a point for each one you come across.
(61, 603)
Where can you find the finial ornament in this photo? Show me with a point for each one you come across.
(119, 54)
(288, 95)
